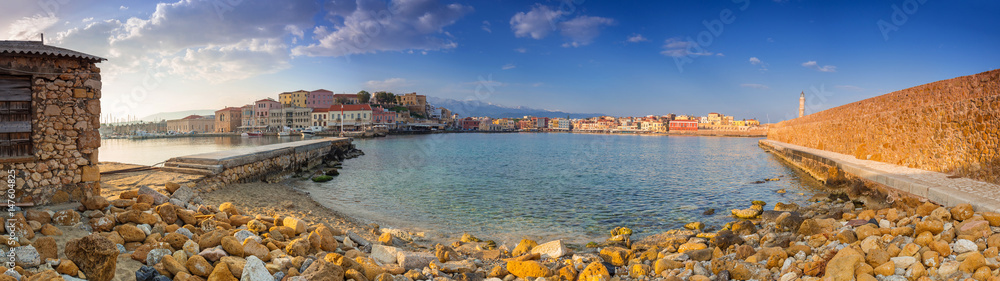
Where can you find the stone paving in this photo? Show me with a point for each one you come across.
(935, 186)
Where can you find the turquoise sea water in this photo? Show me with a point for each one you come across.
(554, 185)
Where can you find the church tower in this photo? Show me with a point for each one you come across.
(802, 104)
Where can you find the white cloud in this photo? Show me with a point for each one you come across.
(373, 26)
(813, 65)
(755, 86)
(849, 88)
(231, 62)
(636, 38)
(720, 55)
(122, 8)
(542, 20)
(508, 66)
(537, 23)
(174, 39)
(487, 26)
(521, 50)
(583, 29)
(29, 28)
(676, 47)
(391, 84)
(755, 61)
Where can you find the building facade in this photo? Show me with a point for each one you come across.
(192, 124)
(383, 118)
(247, 121)
(417, 104)
(262, 111)
(228, 120)
(289, 118)
(683, 125)
(296, 98)
(319, 99)
(50, 138)
(351, 116)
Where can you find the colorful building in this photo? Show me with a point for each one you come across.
(383, 117)
(352, 116)
(683, 125)
(291, 117)
(319, 99)
(321, 117)
(247, 119)
(417, 104)
(296, 98)
(262, 111)
(228, 120)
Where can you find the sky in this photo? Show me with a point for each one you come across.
(746, 58)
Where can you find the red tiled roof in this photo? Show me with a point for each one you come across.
(346, 95)
(321, 110)
(322, 90)
(267, 99)
(230, 108)
(350, 107)
(192, 117)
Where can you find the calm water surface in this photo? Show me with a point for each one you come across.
(569, 186)
(152, 151)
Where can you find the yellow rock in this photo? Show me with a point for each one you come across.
(690, 247)
(843, 265)
(637, 270)
(528, 269)
(664, 264)
(523, 247)
(616, 255)
(595, 271)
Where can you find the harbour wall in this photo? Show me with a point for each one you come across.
(950, 126)
(260, 163)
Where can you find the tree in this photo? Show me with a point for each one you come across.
(384, 97)
(340, 100)
(364, 96)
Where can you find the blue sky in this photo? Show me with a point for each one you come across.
(748, 58)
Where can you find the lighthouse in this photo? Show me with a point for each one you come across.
(802, 104)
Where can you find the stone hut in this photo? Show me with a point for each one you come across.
(50, 108)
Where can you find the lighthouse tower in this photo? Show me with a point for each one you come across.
(802, 104)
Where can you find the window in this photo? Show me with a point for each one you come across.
(15, 117)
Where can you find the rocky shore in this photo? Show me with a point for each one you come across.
(175, 234)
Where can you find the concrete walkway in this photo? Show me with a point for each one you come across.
(216, 162)
(934, 186)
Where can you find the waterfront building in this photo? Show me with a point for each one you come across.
(192, 124)
(352, 116)
(488, 125)
(654, 126)
(321, 117)
(383, 118)
(469, 124)
(247, 118)
(262, 111)
(683, 125)
(296, 98)
(291, 117)
(49, 119)
(228, 120)
(560, 124)
(417, 104)
(319, 99)
(346, 99)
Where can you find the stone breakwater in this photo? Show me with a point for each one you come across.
(949, 126)
(832, 238)
(263, 163)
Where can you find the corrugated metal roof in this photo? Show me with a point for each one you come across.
(37, 48)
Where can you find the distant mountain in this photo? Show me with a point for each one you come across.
(177, 114)
(476, 108)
